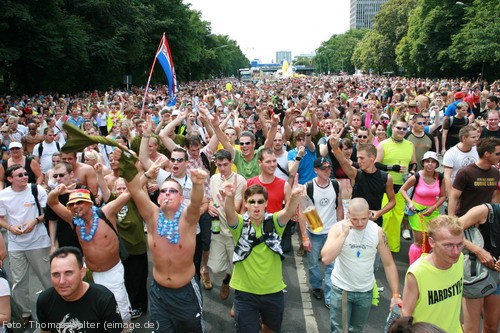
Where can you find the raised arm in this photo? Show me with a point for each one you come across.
(272, 132)
(57, 207)
(228, 192)
(147, 209)
(144, 147)
(198, 177)
(222, 138)
(335, 241)
(106, 193)
(345, 164)
(290, 209)
(167, 141)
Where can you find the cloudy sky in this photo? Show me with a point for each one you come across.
(263, 27)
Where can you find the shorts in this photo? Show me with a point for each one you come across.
(114, 280)
(220, 259)
(177, 309)
(250, 308)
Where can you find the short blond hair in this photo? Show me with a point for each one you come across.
(452, 223)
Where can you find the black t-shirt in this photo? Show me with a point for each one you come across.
(95, 312)
(65, 234)
(371, 187)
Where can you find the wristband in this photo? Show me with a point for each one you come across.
(396, 295)
(147, 176)
(305, 238)
(435, 207)
(37, 219)
(298, 158)
(395, 167)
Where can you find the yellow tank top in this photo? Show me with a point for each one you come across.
(397, 153)
(440, 294)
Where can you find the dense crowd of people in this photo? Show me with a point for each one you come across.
(215, 186)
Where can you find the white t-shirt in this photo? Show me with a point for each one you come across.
(46, 159)
(456, 159)
(19, 208)
(325, 200)
(353, 272)
(283, 162)
(4, 291)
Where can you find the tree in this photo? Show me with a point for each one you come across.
(336, 53)
(369, 53)
(477, 43)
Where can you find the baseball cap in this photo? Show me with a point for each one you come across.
(176, 112)
(15, 144)
(459, 95)
(322, 163)
(79, 195)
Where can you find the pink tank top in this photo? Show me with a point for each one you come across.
(426, 194)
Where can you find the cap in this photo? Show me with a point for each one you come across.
(79, 195)
(15, 144)
(459, 95)
(12, 109)
(412, 103)
(430, 154)
(322, 163)
(176, 112)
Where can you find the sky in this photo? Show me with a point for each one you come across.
(261, 28)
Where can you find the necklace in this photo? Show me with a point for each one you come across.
(359, 245)
(78, 221)
(169, 228)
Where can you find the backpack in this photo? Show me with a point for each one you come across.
(479, 280)
(40, 148)
(453, 117)
(310, 190)
(494, 228)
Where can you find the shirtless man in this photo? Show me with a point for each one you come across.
(173, 268)
(112, 177)
(98, 241)
(84, 174)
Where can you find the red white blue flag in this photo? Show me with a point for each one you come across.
(164, 56)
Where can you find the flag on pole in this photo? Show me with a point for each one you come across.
(167, 63)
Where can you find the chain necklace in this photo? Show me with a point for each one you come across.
(78, 221)
(169, 228)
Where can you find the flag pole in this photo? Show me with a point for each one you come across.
(150, 74)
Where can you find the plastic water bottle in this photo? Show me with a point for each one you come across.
(393, 315)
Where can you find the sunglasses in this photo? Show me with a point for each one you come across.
(299, 121)
(421, 123)
(253, 202)
(362, 136)
(169, 190)
(59, 175)
(178, 160)
(245, 143)
(400, 128)
(21, 175)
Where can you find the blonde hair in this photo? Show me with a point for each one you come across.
(452, 223)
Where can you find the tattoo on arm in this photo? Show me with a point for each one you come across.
(384, 237)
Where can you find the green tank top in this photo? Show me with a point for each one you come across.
(397, 153)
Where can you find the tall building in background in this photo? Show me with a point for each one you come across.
(283, 55)
(363, 12)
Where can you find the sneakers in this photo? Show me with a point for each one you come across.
(317, 293)
(136, 313)
(406, 234)
(205, 280)
(224, 291)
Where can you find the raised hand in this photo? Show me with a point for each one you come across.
(198, 176)
(228, 189)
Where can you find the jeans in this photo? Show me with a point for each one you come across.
(315, 278)
(358, 309)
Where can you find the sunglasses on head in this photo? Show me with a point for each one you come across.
(169, 190)
(253, 202)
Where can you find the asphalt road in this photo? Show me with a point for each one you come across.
(303, 313)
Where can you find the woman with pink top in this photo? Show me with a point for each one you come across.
(428, 194)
